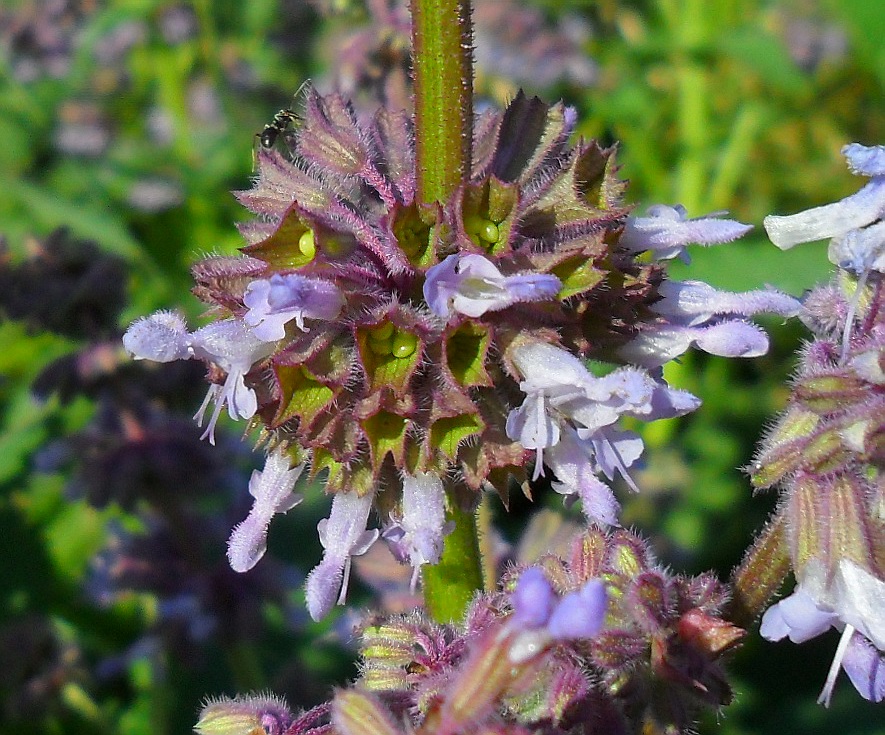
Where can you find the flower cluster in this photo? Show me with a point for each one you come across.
(592, 632)
(415, 354)
(825, 452)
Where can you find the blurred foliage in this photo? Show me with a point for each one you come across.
(127, 122)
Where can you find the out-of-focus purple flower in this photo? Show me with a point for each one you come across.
(343, 535)
(418, 536)
(274, 302)
(539, 617)
(272, 490)
(533, 599)
(666, 231)
(835, 220)
(472, 285)
(567, 415)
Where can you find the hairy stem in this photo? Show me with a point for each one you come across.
(442, 59)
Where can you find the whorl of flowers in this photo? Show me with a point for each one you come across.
(569, 640)
(381, 339)
(826, 452)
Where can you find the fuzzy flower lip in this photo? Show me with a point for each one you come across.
(160, 337)
(472, 285)
(666, 231)
(343, 535)
(273, 302)
(272, 490)
(229, 344)
(835, 220)
(418, 536)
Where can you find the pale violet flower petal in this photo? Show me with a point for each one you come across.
(323, 585)
(232, 346)
(658, 345)
(865, 160)
(865, 667)
(572, 461)
(860, 250)
(418, 536)
(694, 302)
(580, 614)
(273, 303)
(472, 285)
(798, 617)
(549, 368)
(343, 535)
(533, 599)
(160, 337)
(272, 490)
(666, 231)
(830, 220)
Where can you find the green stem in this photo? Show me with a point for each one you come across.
(450, 585)
(442, 58)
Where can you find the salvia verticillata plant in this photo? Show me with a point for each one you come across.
(825, 453)
(431, 306)
(413, 352)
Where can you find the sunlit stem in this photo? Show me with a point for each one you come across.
(442, 60)
(451, 584)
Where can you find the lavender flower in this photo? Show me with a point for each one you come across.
(272, 490)
(228, 345)
(567, 415)
(343, 535)
(280, 299)
(665, 231)
(472, 285)
(835, 220)
(418, 536)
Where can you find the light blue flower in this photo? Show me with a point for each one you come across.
(274, 302)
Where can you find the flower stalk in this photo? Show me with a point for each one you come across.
(443, 78)
(443, 74)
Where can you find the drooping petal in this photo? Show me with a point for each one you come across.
(272, 490)
(323, 585)
(418, 536)
(160, 337)
(865, 667)
(860, 600)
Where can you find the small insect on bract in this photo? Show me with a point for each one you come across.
(281, 122)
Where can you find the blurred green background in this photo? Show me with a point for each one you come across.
(128, 122)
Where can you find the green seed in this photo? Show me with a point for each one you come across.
(381, 332)
(381, 347)
(490, 232)
(404, 344)
(307, 245)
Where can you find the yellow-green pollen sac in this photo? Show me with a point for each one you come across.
(307, 244)
(482, 232)
(385, 340)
